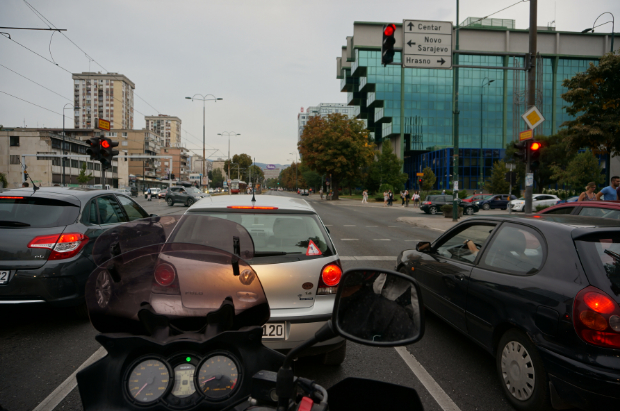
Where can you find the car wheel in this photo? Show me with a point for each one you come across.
(521, 372)
(469, 211)
(486, 207)
(433, 210)
(170, 202)
(190, 201)
(103, 289)
(335, 357)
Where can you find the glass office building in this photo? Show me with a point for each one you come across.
(413, 108)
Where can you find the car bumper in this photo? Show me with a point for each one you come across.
(56, 283)
(517, 207)
(582, 385)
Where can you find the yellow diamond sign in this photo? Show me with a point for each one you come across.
(533, 117)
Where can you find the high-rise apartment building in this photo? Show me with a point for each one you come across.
(323, 110)
(168, 127)
(108, 96)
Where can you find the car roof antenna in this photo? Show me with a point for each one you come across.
(253, 198)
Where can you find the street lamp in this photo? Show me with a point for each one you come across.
(228, 133)
(612, 28)
(63, 136)
(296, 165)
(481, 160)
(204, 99)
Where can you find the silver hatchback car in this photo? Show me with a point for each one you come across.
(296, 262)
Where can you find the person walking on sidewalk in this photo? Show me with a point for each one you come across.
(390, 198)
(364, 196)
(416, 199)
(385, 199)
(609, 192)
(588, 195)
(402, 197)
(148, 192)
(406, 198)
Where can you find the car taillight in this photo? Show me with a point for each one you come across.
(62, 245)
(596, 318)
(427, 203)
(164, 275)
(330, 278)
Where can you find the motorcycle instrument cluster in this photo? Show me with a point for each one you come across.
(177, 382)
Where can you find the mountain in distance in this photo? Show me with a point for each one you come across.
(264, 165)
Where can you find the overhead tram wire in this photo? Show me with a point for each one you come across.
(34, 104)
(505, 8)
(38, 84)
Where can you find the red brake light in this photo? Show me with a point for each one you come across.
(105, 144)
(595, 317)
(62, 245)
(164, 275)
(253, 207)
(16, 198)
(330, 278)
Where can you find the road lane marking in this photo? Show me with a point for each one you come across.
(350, 225)
(434, 389)
(328, 225)
(59, 394)
(382, 239)
(373, 226)
(393, 226)
(413, 240)
(348, 239)
(368, 258)
(438, 229)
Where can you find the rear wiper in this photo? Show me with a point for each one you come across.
(613, 254)
(14, 224)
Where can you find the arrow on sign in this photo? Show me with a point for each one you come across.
(410, 43)
(441, 61)
(410, 25)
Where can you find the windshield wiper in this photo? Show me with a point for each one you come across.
(613, 254)
(14, 224)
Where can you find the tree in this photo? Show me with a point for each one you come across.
(497, 182)
(582, 169)
(595, 103)
(3, 182)
(287, 177)
(336, 145)
(82, 178)
(387, 168)
(239, 166)
(216, 177)
(311, 178)
(428, 179)
(255, 173)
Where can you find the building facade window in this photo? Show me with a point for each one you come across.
(14, 141)
(14, 159)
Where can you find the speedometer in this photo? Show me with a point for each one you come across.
(148, 381)
(218, 376)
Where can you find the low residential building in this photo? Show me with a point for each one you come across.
(140, 143)
(180, 162)
(47, 171)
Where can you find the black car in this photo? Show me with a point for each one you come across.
(433, 204)
(541, 294)
(184, 195)
(46, 239)
(495, 201)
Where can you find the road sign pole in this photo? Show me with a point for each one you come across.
(531, 91)
(455, 120)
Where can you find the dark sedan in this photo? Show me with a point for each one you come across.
(46, 239)
(495, 201)
(433, 204)
(541, 294)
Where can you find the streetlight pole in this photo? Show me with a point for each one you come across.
(228, 133)
(481, 160)
(296, 165)
(204, 99)
(63, 138)
(613, 24)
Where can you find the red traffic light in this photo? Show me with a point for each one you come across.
(389, 29)
(105, 144)
(535, 146)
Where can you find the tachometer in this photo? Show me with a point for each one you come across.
(148, 381)
(218, 376)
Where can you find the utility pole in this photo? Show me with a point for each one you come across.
(455, 121)
(531, 92)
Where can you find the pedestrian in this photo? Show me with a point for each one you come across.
(385, 198)
(406, 198)
(416, 199)
(321, 192)
(443, 191)
(365, 196)
(148, 193)
(609, 192)
(588, 195)
(390, 198)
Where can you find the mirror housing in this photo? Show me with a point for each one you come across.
(153, 215)
(423, 246)
(380, 308)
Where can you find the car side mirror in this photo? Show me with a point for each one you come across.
(423, 246)
(153, 215)
(378, 308)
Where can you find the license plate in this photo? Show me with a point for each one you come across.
(4, 277)
(273, 330)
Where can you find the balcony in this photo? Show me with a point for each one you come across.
(379, 116)
(354, 98)
(349, 83)
(372, 101)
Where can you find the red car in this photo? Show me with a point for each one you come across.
(476, 197)
(604, 209)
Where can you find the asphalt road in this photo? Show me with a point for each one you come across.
(40, 347)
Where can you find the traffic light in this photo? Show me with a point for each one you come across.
(535, 147)
(520, 150)
(108, 152)
(420, 182)
(387, 45)
(95, 148)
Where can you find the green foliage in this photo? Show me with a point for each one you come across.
(541, 207)
(428, 179)
(447, 208)
(497, 182)
(3, 181)
(239, 166)
(336, 145)
(463, 194)
(594, 97)
(216, 178)
(387, 168)
(255, 173)
(582, 169)
(82, 178)
(386, 187)
(563, 194)
(311, 178)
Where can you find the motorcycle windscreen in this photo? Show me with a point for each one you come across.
(182, 282)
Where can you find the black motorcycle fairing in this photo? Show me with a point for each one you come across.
(99, 391)
(361, 394)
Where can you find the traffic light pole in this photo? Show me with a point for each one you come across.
(455, 125)
(531, 95)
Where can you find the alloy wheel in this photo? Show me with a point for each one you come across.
(469, 211)
(170, 202)
(433, 210)
(486, 207)
(518, 371)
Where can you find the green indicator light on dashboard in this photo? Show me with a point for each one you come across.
(188, 359)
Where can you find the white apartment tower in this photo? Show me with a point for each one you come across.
(323, 110)
(107, 96)
(167, 127)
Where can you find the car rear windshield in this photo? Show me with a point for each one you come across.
(283, 234)
(600, 256)
(36, 212)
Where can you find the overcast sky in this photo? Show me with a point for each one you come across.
(266, 59)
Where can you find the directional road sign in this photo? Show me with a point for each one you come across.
(427, 44)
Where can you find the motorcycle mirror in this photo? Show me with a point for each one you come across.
(379, 308)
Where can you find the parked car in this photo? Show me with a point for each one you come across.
(537, 199)
(569, 200)
(475, 197)
(541, 294)
(304, 192)
(433, 204)
(184, 195)
(603, 209)
(162, 193)
(126, 191)
(495, 201)
(295, 261)
(46, 240)
(154, 192)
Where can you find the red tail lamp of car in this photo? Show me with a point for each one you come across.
(62, 245)
(164, 275)
(253, 207)
(330, 278)
(596, 318)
